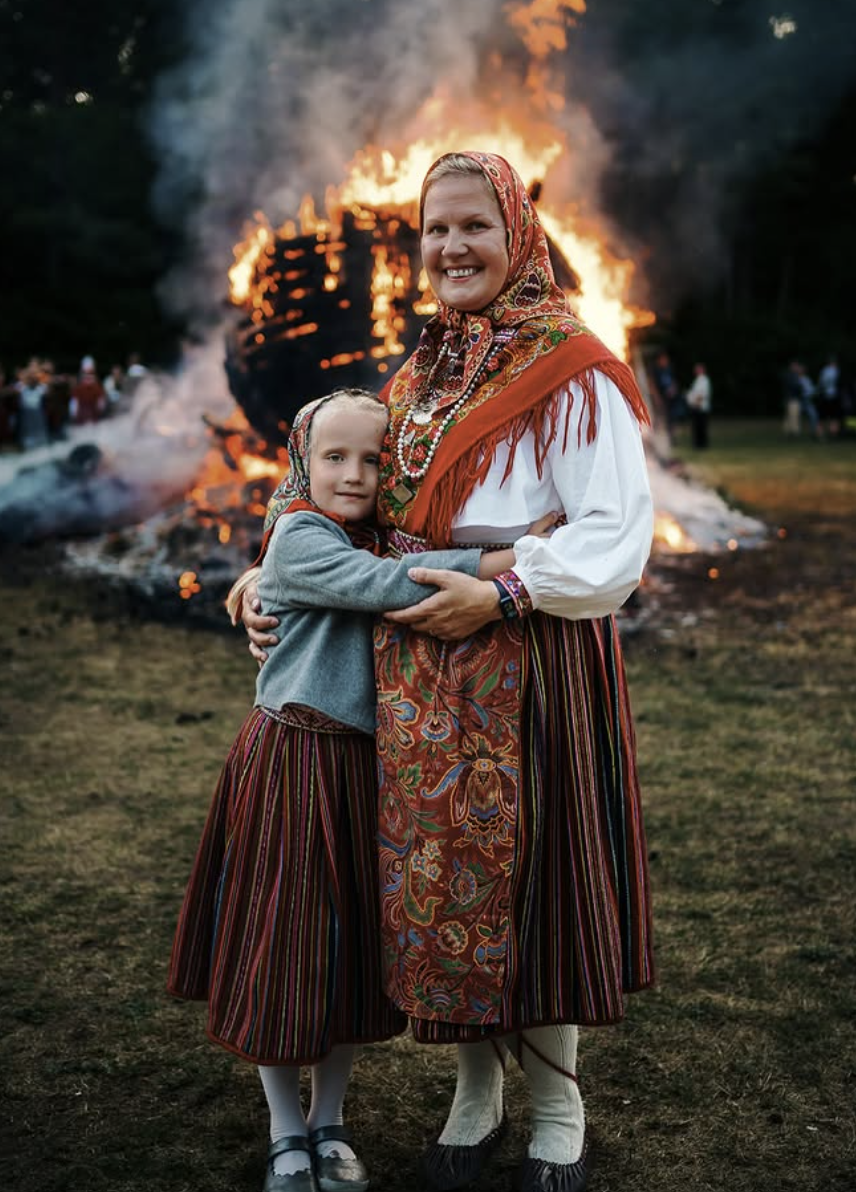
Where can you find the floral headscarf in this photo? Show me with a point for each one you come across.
(530, 286)
(293, 495)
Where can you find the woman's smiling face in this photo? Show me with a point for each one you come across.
(464, 241)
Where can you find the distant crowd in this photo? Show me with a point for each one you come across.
(39, 404)
(821, 408)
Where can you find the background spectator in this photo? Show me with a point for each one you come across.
(698, 402)
(829, 398)
(32, 418)
(88, 399)
(114, 387)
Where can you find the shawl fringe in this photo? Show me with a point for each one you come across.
(543, 420)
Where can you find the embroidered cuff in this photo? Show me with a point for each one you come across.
(514, 600)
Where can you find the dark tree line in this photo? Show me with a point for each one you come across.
(787, 289)
(82, 252)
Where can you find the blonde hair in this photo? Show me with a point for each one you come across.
(235, 599)
(451, 164)
(360, 399)
(364, 399)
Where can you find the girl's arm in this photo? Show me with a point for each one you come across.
(243, 603)
(312, 564)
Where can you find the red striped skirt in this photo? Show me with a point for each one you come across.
(279, 930)
(572, 898)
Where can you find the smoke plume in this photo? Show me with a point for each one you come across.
(667, 105)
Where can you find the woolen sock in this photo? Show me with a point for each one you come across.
(558, 1119)
(281, 1084)
(477, 1107)
(330, 1078)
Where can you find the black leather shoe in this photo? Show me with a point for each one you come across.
(334, 1173)
(537, 1175)
(448, 1167)
(301, 1181)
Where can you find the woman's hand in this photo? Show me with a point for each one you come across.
(463, 605)
(258, 627)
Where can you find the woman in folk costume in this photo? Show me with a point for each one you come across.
(513, 862)
(279, 929)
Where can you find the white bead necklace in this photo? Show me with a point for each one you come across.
(423, 415)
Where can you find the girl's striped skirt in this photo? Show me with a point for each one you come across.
(280, 927)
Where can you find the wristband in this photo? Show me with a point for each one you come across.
(507, 607)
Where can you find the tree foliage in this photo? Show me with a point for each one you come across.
(786, 288)
(81, 251)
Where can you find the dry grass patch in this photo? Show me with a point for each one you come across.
(738, 1071)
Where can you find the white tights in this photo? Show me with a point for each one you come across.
(548, 1056)
(477, 1107)
(282, 1089)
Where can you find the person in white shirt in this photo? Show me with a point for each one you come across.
(514, 884)
(699, 397)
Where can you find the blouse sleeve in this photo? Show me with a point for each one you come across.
(590, 566)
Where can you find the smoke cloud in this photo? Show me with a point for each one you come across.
(694, 98)
(123, 469)
(667, 104)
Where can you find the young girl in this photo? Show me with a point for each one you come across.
(279, 930)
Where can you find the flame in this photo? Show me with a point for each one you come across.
(542, 24)
(389, 281)
(378, 181)
(669, 533)
(257, 240)
(236, 476)
(518, 121)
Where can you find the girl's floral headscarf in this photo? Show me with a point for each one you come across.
(293, 495)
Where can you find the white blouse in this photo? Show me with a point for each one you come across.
(590, 566)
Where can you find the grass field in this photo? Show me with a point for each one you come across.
(738, 1072)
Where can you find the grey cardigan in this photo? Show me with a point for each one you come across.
(326, 592)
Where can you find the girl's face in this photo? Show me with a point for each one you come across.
(344, 456)
(464, 242)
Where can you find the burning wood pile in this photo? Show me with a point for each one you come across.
(327, 302)
(323, 300)
(320, 302)
(340, 298)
